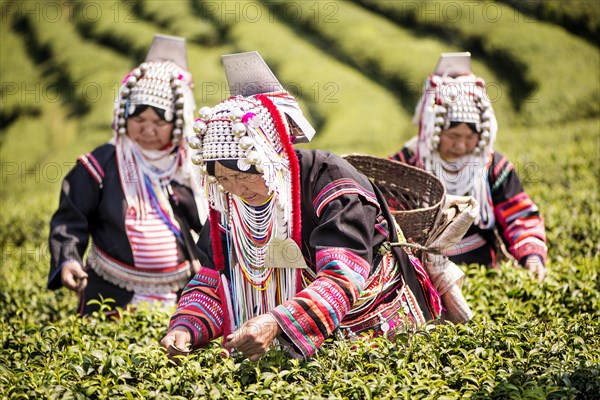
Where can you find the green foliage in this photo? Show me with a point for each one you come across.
(18, 75)
(322, 86)
(397, 57)
(582, 17)
(179, 19)
(523, 50)
(527, 340)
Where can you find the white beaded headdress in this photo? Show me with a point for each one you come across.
(242, 129)
(448, 99)
(254, 127)
(162, 81)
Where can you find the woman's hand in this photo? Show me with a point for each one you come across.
(254, 337)
(73, 277)
(536, 267)
(178, 342)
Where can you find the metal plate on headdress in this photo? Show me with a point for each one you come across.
(166, 47)
(453, 64)
(248, 74)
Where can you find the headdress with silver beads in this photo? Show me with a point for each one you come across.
(452, 97)
(459, 99)
(243, 128)
(162, 81)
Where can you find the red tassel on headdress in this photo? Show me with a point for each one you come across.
(215, 235)
(294, 166)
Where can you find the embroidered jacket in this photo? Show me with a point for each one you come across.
(92, 203)
(342, 230)
(518, 220)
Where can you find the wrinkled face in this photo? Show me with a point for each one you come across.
(150, 131)
(250, 187)
(457, 141)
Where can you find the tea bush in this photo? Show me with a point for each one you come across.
(379, 48)
(542, 89)
(526, 341)
(582, 18)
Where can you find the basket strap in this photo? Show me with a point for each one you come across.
(406, 268)
(414, 246)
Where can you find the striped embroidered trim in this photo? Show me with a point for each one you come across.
(139, 280)
(402, 309)
(358, 265)
(501, 164)
(93, 167)
(518, 206)
(530, 246)
(338, 188)
(200, 309)
(468, 243)
(502, 177)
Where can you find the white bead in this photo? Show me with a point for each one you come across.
(245, 143)
(131, 81)
(200, 126)
(238, 129)
(205, 112)
(197, 159)
(236, 114)
(252, 158)
(194, 142)
(255, 121)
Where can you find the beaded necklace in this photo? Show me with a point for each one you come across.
(252, 229)
(256, 287)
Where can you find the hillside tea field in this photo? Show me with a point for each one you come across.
(357, 67)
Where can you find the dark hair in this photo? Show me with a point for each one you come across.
(140, 108)
(231, 164)
(471, 125)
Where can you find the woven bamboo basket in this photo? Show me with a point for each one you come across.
(414, 196)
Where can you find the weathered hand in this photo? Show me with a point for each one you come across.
(254, 337)
(536, 267)
(178, 342)
(73, 277)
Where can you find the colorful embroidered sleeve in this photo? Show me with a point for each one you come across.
(517, 217)
(199, 309)
(344, 238)
(405, 155)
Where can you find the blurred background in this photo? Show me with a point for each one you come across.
(357, 67)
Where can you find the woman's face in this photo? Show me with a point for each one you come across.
(457, 141)
(250, 187)
(149, 130)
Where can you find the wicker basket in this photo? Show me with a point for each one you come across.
(414, 196)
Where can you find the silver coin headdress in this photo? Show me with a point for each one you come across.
(256, 127)
(161, 81)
